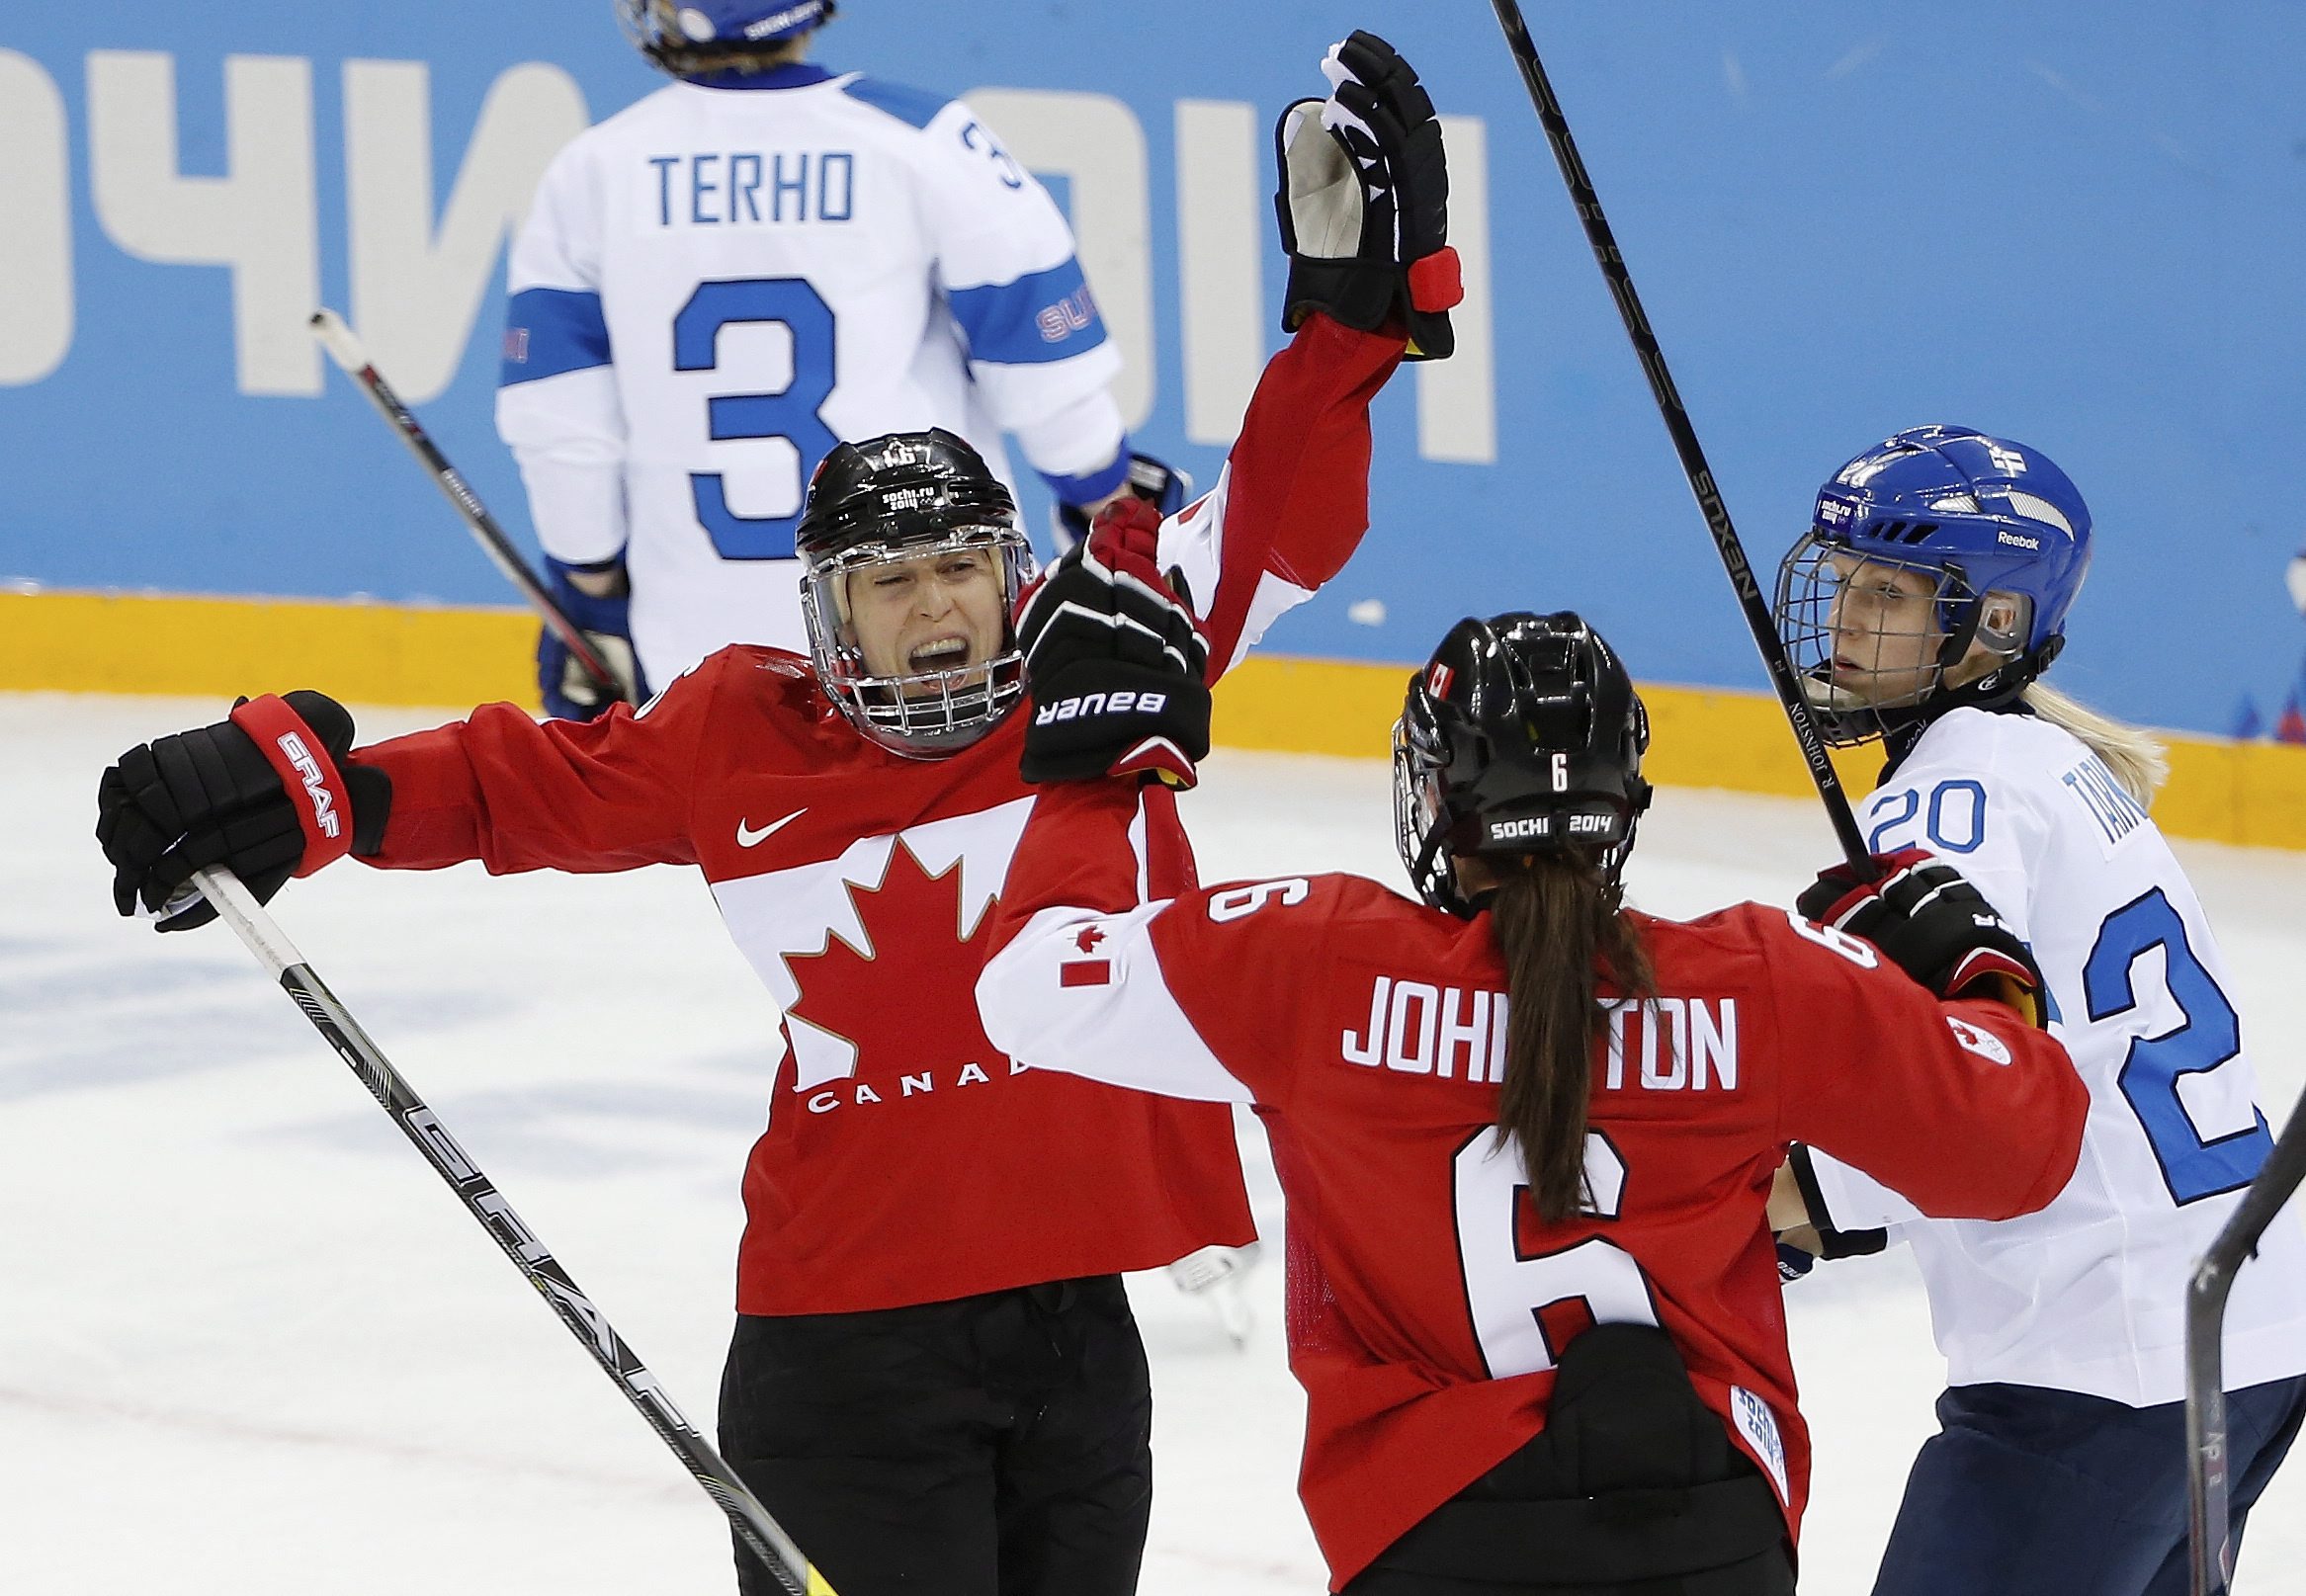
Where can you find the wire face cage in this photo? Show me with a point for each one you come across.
(1868, 637)
(922, 714)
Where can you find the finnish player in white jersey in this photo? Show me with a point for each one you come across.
(755, 263)
(1930, 594)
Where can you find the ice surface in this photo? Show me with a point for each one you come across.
(249, 1344)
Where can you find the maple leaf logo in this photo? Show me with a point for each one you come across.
(907, 999)
(1089, 939)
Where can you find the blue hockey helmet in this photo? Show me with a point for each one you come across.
(1992, 531)
(690, 37)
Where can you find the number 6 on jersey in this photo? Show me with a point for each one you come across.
(1507, 1288)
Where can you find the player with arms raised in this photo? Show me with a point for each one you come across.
(1928, 598)
(1527, 1136)
(719, 283)
(935, 1382)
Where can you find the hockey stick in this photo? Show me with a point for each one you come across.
(1693, 462)
(353, 360)
(2208, 1531)
(238, 908)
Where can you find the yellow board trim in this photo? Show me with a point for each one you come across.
(364, 653)
(2248, 792)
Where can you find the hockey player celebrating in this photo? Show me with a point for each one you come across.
(1526, 1135)
(719, 283)
(935, 1382)
(1921, 610)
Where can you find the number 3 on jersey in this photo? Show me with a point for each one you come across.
(1507, 1288)
(791, 413)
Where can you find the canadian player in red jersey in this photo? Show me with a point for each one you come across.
(1527, 1136)
(935, 1382)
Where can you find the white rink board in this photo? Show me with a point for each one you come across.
(250, 1345)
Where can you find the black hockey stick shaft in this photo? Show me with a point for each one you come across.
(1685, 435)
(238, 908)
(353, 360)
(2210, 1538)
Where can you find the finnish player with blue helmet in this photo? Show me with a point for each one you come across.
(727, 279)
(1921, 607)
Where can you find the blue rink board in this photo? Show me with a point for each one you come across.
(2078, 225)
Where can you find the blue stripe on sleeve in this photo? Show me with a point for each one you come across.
(548, 331)
(1092, 486)
(916, 108)
(1042, 316)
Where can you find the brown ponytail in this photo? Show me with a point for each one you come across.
(1558, 922)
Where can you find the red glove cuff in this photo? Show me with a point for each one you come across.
(309, 773)
(1436, 280)
(1159, 758)
(1982, 963)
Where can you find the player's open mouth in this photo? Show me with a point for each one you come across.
(939, 654)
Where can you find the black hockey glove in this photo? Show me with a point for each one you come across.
(1116, 668)
(267, 794)
(1158, 482)
(1364, 202)
(569, 690)
(1935, 926)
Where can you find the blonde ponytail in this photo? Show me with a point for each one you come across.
(2135, 756)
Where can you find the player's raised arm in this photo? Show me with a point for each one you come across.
(1364, 220)
(1116, 672)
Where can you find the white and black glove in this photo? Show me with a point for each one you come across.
(1364, 202)
(1115, 665)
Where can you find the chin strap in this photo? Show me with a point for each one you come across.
(1999, 691)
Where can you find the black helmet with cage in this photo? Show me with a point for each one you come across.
(1522, 734)
(886, 503)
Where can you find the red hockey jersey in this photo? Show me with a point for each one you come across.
(1427, 1304)
(907, 1159)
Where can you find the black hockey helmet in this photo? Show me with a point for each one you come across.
(903, 487)
(909, 496)
(1522, 734)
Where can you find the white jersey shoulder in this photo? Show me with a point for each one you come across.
(2089, 1294)
(715, 286)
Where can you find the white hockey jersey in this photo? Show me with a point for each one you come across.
(717, 284)
(2088, 1295)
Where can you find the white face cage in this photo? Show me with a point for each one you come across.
(1857, 672)
(922, 714)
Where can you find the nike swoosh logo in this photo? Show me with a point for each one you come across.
(747, 837)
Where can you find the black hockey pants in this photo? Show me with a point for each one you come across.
(994, 1445)
(1633, 1488)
